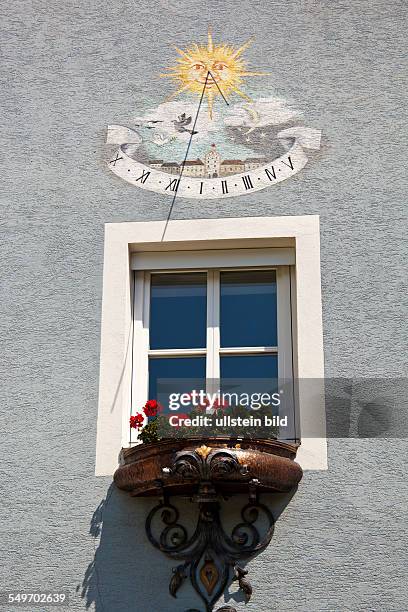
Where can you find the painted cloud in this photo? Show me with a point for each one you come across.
(260, 113)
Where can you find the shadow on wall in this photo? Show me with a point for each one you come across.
(366, 408)
(123, 569)
(128, 575)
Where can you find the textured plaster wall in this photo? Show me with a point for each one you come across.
(67, 70)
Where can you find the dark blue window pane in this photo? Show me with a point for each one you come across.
(188, 374)
(178, 311)
(256, 377)
(248, 308)
(249, 366)
(249, 374)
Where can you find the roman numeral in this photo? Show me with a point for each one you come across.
(289, 165)
(271, 174)
(247, 182)
(224, 186)
(201, 187)
(117, 158)
(173, 185)
(143, 178)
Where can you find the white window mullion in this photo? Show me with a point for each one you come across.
(213, 328)
(216, 322)
(193, 352)
(210, 325)
(248, 350)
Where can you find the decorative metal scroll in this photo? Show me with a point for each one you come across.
(210, 557)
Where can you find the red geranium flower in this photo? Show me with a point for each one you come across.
(151, 408)
(136, 421)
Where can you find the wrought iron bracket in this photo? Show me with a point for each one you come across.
(210, 557)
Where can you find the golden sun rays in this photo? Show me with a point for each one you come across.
(220, 67)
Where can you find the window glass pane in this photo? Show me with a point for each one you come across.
(248, 308)
(178, 310)
(251, 383)
(249, 375)
(249, 366)
(178, 368)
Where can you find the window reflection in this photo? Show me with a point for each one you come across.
(249, 366)
(178, 310)
(250, 375)
(182, 374)
(248, 308)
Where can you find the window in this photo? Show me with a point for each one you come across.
(216, 248)
(211, 324)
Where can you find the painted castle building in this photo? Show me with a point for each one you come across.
(212, 166)
(212, 161)
(194, 167)
(170, 167)
(231, 166)
(253, 162)
(156, 163)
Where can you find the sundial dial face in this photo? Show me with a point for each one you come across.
(213, 137)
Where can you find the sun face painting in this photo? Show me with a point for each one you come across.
(214, 70)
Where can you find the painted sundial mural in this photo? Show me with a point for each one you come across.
(212, 137)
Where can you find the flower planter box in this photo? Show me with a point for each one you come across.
(146, 468)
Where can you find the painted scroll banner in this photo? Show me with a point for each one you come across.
(297, 139)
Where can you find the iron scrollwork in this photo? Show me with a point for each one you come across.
(210, 557)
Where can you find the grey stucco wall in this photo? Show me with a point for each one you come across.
(69, 69)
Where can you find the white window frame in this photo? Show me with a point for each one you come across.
(122, 240)
(141, 352)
